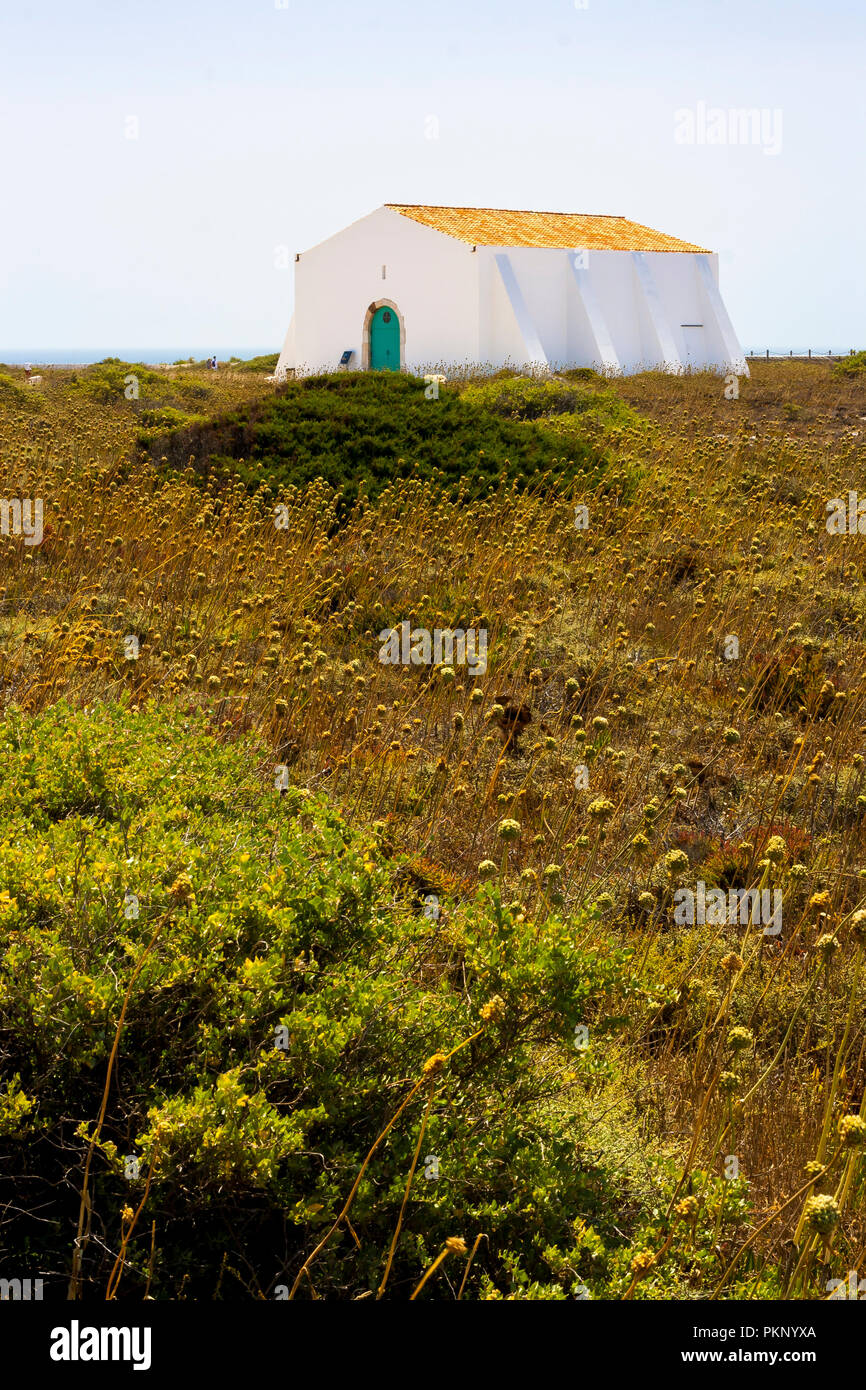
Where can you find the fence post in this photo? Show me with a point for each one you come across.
(810, 354)
(768, 354)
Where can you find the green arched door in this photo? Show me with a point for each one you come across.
(385, 341)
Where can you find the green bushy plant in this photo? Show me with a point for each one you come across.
(266, 363)
(532, 398)
(150, 871)
(107, 382)
(14, 393)
(853, 366)
(361, 430)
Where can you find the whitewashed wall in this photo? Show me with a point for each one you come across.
(455, 307)
(547, 283)
(431, 278)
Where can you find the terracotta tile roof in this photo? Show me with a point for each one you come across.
(504, 227)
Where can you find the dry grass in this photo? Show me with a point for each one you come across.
(625, 623)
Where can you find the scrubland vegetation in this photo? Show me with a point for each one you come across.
(329, 978)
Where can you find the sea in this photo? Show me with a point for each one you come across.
(149, 357)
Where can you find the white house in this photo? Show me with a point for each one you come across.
(419, 288)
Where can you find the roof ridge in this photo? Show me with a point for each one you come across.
(538, 212)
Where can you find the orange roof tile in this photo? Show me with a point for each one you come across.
(505, 227)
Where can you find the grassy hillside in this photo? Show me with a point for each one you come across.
(618, 748)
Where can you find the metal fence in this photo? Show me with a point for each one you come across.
(802, 354)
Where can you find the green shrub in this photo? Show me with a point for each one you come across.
(14, 393)
(529, 398)
(166, 417)
(108, 382)
(364, 429)
(266, 363)
(135, 841)
(853, 365)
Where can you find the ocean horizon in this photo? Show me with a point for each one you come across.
(83, 357)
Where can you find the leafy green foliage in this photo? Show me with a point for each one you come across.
(14, 393)
(854, 365)
(135, 841)
(109, 381)
(265, 363)
(529, 398)
(361, 430)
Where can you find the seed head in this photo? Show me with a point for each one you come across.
(676, 862)
(181, 889)
(731, 963)
(740, 1038)
(827, 945)
(821, 1213)
(494, 1009)
(688, 1208)
(858, 927)
(852, 1131)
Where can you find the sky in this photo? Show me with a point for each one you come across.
(163, 162)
